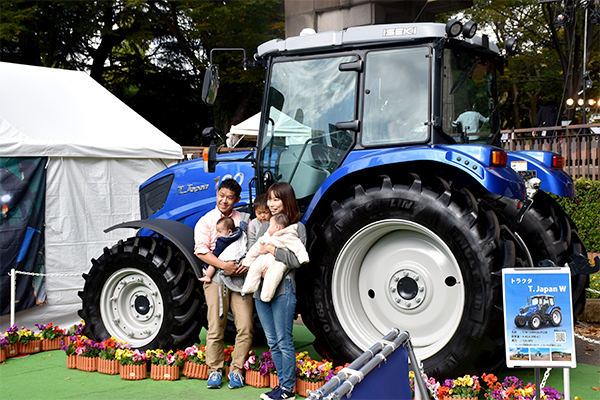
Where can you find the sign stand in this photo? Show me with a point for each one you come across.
(538, 320)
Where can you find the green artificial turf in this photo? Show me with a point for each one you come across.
(45, 376)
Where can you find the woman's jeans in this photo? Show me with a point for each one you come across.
(277, 320)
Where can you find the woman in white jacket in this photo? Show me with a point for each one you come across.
(277, 315)
(282, 235)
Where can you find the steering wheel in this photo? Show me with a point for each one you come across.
(320, 154)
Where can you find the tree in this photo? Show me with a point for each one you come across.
(151, 54)
(548, 66)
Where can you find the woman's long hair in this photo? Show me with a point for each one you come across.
(285, 192)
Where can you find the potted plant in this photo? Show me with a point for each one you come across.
(164, 366)
(51, 336)
(133, 364)
(12, 334)
(256, 375)
(227, 357)
(30, 342)
(431, 384)
(107, 361)
(466, 387)
(195, 362)
(87, 354)
(3, 344)
(311, 374)
(74, 331)
(267, 360)
(69, 350)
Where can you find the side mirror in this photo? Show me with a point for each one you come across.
(210, 86)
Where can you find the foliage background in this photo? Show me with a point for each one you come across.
(153, 54)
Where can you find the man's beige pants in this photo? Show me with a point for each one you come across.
(242, 310)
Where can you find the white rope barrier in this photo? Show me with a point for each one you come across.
(13, 287)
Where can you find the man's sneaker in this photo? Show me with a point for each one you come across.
(267, 396)
(236, 380)
(214, 380)
(282, 394)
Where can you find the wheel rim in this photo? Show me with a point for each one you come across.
(556, 317)
(131, 307)
(535, 322)
(396, 273)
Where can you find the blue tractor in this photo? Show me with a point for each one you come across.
(390, 137)
(539, 310)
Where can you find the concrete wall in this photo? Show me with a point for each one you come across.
(327, 15)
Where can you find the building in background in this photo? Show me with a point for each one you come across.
(327, 15)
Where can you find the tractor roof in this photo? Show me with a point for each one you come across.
(362, 36)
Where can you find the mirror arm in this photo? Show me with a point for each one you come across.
(246, 62)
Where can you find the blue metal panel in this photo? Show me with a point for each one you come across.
(193, 192)
(474, 160)
(554, 181)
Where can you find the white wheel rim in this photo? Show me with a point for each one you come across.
(556, 317)
(131, 307)
(372, 264)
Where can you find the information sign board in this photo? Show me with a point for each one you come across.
(538, 317)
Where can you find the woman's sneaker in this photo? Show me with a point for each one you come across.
(267, 396)
(282, 394)
(214, 380)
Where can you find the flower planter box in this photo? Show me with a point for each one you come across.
(2, 355)
(88, 364)
(72, 361)
(458, 398)
(255, 379)
(303, 387)
(195, 371)
(164, 372)
(108, 367)
(31, 347)
(134, 372)
(51, 344)
(273, 381)
(12, 350)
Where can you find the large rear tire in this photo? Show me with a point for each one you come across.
(549, 234)
(417, 255)
(143, 291)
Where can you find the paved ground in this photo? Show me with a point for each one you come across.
(587, 352)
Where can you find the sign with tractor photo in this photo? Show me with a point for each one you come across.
(538, 317)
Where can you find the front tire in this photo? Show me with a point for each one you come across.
(417, 255)
(556, 317)
(535, 321)
(142, 291)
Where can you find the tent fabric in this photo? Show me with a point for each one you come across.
(296, 132)
(98, 151)
(63, 113)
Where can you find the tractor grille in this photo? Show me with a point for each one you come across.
(154, 195)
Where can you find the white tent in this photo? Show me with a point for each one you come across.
(294, 131)
(98, 153)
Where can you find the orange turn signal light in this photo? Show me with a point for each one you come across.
(558, 162)
(499, 158)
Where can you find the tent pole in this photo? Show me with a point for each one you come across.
(13, 288)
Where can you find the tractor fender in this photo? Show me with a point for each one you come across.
(179, 233)
(554, 180)
(472, 159)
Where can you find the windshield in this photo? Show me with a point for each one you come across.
(301, 144)
(470, 111)
(396, 96)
